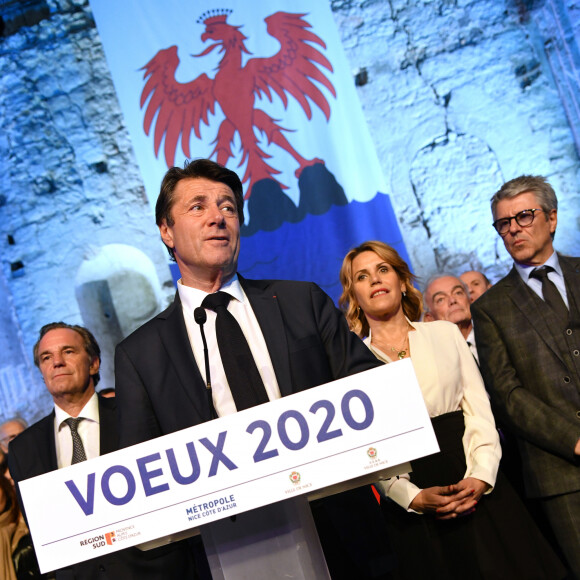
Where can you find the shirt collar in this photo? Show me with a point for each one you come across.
(90, 411)
(471, 336)
(191, 298)
(525, 271)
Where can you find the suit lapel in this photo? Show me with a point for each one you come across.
(47, 446)
(41, 455)
(265, 306)
(537, 314)
(108, 433)
(571, 271)
(173, 334)
(426, 364)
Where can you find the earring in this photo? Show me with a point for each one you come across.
(404, 294)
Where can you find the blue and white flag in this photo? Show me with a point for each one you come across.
(265, 89)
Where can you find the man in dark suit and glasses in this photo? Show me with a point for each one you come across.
(527, 329)
(81, 426)
(297, 339)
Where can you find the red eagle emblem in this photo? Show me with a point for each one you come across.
(175, 109)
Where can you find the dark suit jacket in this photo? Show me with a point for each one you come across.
(531, 364)
(33, 453)
(160, 389)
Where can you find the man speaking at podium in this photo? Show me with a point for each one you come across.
(265, 339)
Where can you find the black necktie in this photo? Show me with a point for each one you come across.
(552, 296)
(78, 453)
(241, 371)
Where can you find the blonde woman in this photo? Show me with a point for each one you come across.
(451, 521)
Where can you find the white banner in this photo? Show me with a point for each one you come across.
(311, 440)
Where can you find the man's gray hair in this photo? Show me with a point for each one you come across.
(535, 184)
(22, 422)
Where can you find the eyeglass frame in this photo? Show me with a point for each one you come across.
(9, 438)
(516, 217)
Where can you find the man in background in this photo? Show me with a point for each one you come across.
(9, 430)
(476, 282)
(82, 426)
(446, 298)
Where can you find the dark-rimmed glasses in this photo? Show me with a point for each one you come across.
(523, 218)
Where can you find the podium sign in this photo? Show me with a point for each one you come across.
(295, 445)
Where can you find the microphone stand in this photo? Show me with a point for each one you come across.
(200, 316)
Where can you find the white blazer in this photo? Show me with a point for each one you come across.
(450, 381)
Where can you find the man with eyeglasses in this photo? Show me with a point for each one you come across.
(527, 329)
(9, 430)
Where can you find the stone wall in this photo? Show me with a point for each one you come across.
(460, 98)
(70, 187)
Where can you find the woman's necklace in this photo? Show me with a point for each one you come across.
(402, 350)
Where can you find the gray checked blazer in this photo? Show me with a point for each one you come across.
(530, 363)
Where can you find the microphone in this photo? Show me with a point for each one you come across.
(200, 316)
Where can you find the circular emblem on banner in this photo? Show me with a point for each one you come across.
(372, 452)
(294, 477)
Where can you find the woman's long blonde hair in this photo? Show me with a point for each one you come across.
(412, 302)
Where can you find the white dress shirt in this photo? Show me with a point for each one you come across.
(239, 306)
(471, 344)
(88, 431)
(556, 276)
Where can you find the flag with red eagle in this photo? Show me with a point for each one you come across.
(173, 109)
(265, 89)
